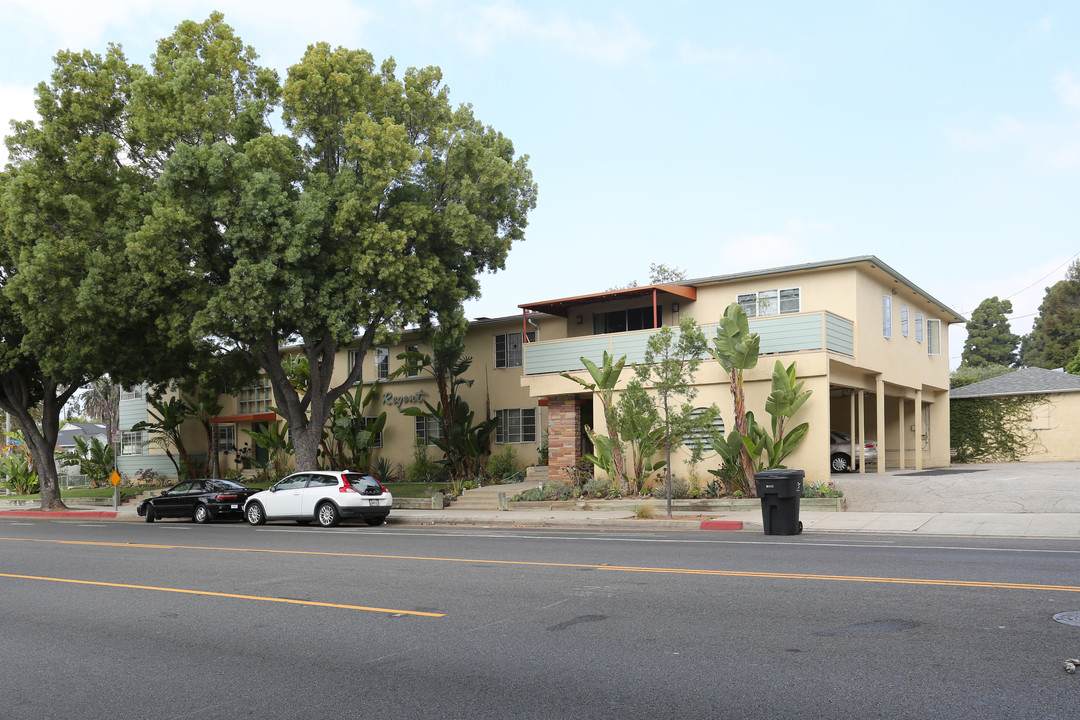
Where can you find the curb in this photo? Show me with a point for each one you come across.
(721, 525)
(70, 514)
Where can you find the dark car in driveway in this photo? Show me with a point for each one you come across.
(201, 500)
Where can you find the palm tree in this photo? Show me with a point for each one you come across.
(100, 402)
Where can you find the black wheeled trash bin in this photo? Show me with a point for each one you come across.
(780, 491)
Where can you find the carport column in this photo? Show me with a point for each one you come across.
(918, 429)
(880, 425)
(900, 433)
(860, 451)
(564, 435)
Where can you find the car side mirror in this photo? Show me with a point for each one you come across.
(164, 493)
(273, 488)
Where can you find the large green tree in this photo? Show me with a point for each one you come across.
(990, 340)
(376, 210)
(71, 309)
(1054, 339)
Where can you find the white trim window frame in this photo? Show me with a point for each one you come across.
(382, 363)
(353, 359)
(933, 337)
(516, 426)
(376, 442)
(412, 365)
(255, 398)
(904, 323)
(226, 437)
(426, 428)
(509, 352)
(886, 317)
(764, 303)
(133, 393)
(133, 442)
(919, 324)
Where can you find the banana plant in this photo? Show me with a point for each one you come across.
(605, 377)
(737, 350)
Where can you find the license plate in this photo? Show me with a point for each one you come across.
(373, 502)
(235, 507)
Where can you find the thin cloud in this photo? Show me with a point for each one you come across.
(727, 61)
(17, 104)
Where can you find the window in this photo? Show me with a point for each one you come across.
(904, 320)
(918, 327)
(255, 398)
(508, 351)
(701, 441)
(427, 429)
(377, 440)
(382, 363)
(354, 359)
(135, 393)
(933, 337)
(133, 443)
(515, 426)
(413, 365)
(886, 316)
(226, 437)
(771, 302)
(618, 321)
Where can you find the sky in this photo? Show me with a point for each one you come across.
(713, 137)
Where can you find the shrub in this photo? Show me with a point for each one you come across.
(601, 487)
(21, 478)
(547, 491)
(423, 468)
(384, 471)
(502, 464)
(821, 489)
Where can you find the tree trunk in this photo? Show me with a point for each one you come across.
(742, 428)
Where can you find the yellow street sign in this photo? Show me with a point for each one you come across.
(114, 478)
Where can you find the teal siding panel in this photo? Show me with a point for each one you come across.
(564, 355)
(788, 334)
(131, 464)
(839, 335)
(632, 346)
(131, 412)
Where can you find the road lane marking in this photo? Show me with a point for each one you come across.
(234, 596)
(616, 568)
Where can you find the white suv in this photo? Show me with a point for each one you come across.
(322, 495)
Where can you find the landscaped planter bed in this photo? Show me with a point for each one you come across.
(702, 506)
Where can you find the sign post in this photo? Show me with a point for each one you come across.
(115, 480)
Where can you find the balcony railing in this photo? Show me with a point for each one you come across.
(805, 332)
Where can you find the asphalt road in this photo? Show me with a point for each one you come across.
(174, 620)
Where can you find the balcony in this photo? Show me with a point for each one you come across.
(804, 332)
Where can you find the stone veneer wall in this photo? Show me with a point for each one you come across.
(564, 435)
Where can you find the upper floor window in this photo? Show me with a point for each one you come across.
(617, 321)
(886, 316)
(508, 351)
(256, 398)
(382, 363)
(413, 365)
(135, 393)
(918, 327)
(771, 302)
(515, 426)
(904, 320)
(933, 337)
(354, 360)
(377, 440)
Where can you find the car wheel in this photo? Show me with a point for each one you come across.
(201, 514)
(150, 514)
(840, 463)
(327, 514)
(255, 514)
(375, 520)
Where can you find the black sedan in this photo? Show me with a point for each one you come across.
(201, 500)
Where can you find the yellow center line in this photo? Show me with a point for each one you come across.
(222, 595)
(587, 566)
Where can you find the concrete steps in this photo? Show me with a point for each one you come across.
(487, 497)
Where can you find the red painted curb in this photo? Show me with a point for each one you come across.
(70, 514)
(721, 524)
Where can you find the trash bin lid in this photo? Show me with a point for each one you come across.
(780, 474)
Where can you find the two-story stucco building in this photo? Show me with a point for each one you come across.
(871, 345)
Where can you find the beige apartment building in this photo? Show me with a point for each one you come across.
(870, 344)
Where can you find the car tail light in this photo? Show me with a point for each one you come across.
(222, 497)
(345, 487)
(871, 446)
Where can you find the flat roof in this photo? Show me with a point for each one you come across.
(561, 306)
